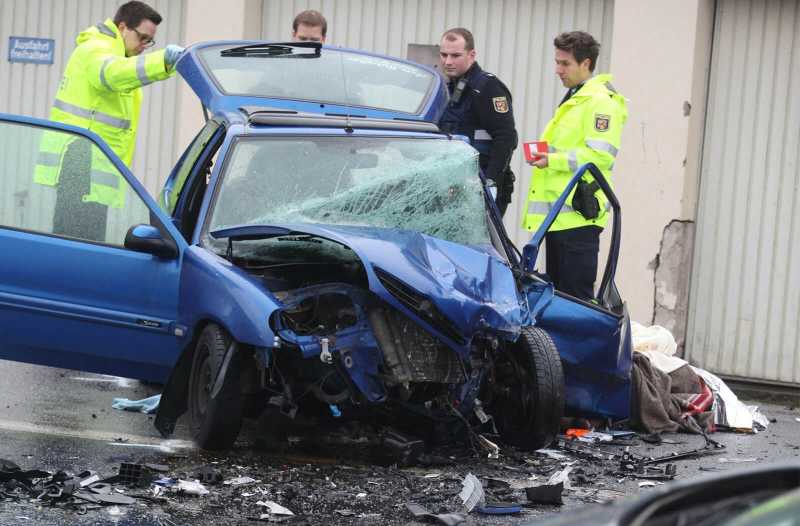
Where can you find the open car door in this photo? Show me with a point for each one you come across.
(593, 338)
(89, 265)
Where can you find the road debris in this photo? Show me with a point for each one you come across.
(240, 481)
(499, 508)
(546, 494)
(275, 508)
(726, 460)
(449, 519)
(472, 493)
(358, 480)
(191, 487)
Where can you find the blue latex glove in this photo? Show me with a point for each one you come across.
(171, 54)
(147, 405)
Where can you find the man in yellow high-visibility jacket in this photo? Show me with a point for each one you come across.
(101, 91)
(586, 128)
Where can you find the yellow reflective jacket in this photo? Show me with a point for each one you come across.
(100, 91)
(586, 128)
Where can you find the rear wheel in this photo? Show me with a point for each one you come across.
(527, 391)
(215, 420)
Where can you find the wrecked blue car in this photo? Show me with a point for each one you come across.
(320, 248)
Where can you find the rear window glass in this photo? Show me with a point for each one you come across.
(335, 77)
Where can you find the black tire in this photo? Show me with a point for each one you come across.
(527, 391)
(215, 422)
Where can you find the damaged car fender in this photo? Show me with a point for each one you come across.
(232, 300)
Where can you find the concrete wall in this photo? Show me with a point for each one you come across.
(660, 57)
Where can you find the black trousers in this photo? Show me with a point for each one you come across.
(72, 216)
(572, 260)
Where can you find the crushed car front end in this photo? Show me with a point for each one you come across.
(390, 283)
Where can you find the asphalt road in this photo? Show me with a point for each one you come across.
(53, 419)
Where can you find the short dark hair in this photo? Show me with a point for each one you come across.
(312, 18)
(582, 45)
(132, 13)
(452, 34)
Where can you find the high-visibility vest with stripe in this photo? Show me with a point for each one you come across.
(100, 91)
(586, 128)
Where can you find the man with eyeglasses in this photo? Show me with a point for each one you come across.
(101, 90)
(101, 87)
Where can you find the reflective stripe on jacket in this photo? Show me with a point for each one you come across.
(586, 128)
(100, 91)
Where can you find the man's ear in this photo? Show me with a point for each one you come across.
(121, 26)
(472, 53)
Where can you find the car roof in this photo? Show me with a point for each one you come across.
(311, 78)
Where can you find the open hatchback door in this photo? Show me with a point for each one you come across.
(310, 78)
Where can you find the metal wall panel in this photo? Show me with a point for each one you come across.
(744, 308)
(513, 38)
(29, 89)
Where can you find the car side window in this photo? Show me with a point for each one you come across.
(61, 183)
(192, 154)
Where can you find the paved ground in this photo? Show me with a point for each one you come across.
(62, 420)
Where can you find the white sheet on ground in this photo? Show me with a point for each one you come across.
(658, 344)
(728, 410)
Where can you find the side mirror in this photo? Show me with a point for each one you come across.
(148, 239)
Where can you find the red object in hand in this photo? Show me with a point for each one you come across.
(531, 149)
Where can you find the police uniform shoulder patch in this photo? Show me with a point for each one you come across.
(500, 104)
(601, 122)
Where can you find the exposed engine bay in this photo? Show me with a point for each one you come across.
(340, 342)
(353, 339)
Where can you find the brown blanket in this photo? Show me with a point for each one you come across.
(661, 402)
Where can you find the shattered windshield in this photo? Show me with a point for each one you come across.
(429, 186)
(335, 77)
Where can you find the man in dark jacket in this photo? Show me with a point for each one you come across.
(480, 108)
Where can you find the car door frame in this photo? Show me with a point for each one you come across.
(88, 321)
(593, 339)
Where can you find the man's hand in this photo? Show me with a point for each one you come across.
(171, 54)
(540, 161)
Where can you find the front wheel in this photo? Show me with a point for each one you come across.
(215, 420)
(526, 391)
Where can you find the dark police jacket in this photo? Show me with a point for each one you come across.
(483, 112)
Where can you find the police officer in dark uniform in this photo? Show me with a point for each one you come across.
(479, 108)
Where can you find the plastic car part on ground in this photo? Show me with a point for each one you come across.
(472, 492)
(448, 519)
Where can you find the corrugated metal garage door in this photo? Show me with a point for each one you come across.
(29, 89)
(514, 40)
(745, 295)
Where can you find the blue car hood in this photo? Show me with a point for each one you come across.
(471, 285)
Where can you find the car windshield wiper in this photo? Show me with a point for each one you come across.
(276, 50)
